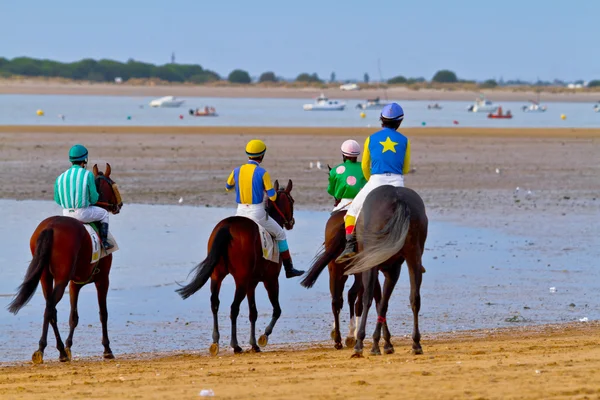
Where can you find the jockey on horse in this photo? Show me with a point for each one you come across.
(385, 161)
(75, 191)
(347, 178)
(251, 181)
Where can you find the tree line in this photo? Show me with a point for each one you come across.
(105, 70)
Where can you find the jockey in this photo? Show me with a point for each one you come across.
(251, 181)
(385, 161)
(75, 191)
(347, 178)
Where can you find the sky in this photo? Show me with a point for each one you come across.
(525, 39)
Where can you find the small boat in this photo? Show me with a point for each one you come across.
(322, 103)
(482, 105)
(371, 104)
(597, 107)
(435, 106)
(203, 112)
(500, 114)
(534, 107)
(350, 86)
(167, 101)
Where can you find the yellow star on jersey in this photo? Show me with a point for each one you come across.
(388, 145)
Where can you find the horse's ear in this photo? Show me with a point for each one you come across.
(276, 185)
(329, 167)
(107, 171)
(95, 169)
(289, 186)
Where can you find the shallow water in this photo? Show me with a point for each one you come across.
(476, 278)
(114, 110)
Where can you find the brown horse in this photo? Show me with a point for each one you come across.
(62, 250)
(335, 240)
(235, 248)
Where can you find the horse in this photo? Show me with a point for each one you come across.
(62, 250)
(335, 240)
(235, 248)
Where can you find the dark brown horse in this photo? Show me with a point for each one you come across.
(335, 240)
(62, 250)
(235, 248)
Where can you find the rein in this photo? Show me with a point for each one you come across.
(272, 203)
(112, 207)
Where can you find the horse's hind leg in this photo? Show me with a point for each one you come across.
(253, 315)
(240, 293)
(47, 289)
(391, 278)
(369, 278)
(272, 287)
(215, 288)
(355, 305)
(57, 294)
(74, 317)
(336, 287)
(416, 276)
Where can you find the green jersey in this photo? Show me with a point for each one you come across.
(75, 188)
(346, 180)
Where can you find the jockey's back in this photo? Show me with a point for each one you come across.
(346, 180)
(386, 152)
(75, 188)
(251, 181)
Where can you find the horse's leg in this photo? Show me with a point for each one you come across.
(215, 288)
(391, 278)
(102, 283)
(353, 294)
(272, 287)
(74, 317)
(240, 293)
(336, 287)
(369, 277)
(253, 316)
(47, 288)
(57, 294)
(416, 275)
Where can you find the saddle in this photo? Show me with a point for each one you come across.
(270, 250)
(98, 251)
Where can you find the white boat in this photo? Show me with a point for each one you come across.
(372, 104)
(483, 105)
(167, 101)
(350, 86)
(322, 103)
(534, 107)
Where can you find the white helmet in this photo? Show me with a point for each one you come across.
(351, 148)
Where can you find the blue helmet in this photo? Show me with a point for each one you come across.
(392, 112)
(78, 153)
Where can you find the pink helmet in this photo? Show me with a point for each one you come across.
(351, 148)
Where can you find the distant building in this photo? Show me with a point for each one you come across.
(118, 79)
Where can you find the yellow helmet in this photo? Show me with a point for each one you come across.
(256, 148)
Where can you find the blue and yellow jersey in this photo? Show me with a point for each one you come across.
(250, 181)
(386, 151)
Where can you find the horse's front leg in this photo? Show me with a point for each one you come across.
(240, 293)
(355, 305)
(336, 287)
(102, 283)
(253, 316)
(272, 287)
(369, 277)
(416, 276)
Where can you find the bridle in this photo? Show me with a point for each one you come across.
(112, 207)
(289, 224)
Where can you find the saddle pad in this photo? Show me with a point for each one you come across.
(270, 249)
(98, 251)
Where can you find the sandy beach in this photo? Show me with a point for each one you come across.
(41, 86)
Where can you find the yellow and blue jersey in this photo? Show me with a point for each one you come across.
(250, 181)
(386, 151)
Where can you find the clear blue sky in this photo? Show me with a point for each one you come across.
(480, 39)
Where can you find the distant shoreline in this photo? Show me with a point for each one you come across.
(397, 93)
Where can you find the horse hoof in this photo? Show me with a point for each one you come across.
(389, 350)
(109, 356)
(350, 342)
(255, 349)
(69, 355)
(214, 349)
(417, 351)
(357, 354)
(332, 335)
(375, 351)
(263, 340)
(37, 357)
(338, 346)
(237, 350)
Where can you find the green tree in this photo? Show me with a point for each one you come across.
(397, 80)
(332, 77)
(305, 77)
(594, 83)
(445, 76)
(239, 76)
(366, 78)
(489, 84)
(267, 77)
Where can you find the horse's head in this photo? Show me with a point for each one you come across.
(282, 209)
(109, 197)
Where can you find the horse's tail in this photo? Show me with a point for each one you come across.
(384, 244)
(330, 251)
(41, 257)
(205, 269)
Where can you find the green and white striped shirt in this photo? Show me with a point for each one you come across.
(75, 188)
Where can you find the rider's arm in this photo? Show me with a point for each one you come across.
(230, 184)
(91, 184)
(332, 181)
(269, 187)
(366, 160)
(57, 193)
(406, 166)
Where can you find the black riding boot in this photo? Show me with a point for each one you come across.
(104, 236)
(290, 271)
(349, 251)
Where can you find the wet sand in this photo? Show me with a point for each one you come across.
(542, 362)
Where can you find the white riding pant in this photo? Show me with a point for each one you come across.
(375, 181)
(87, 214)
(258, 213)
(343, 204)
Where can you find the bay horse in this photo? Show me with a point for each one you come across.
(335, 241)
(62, 250)
(235, 248)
